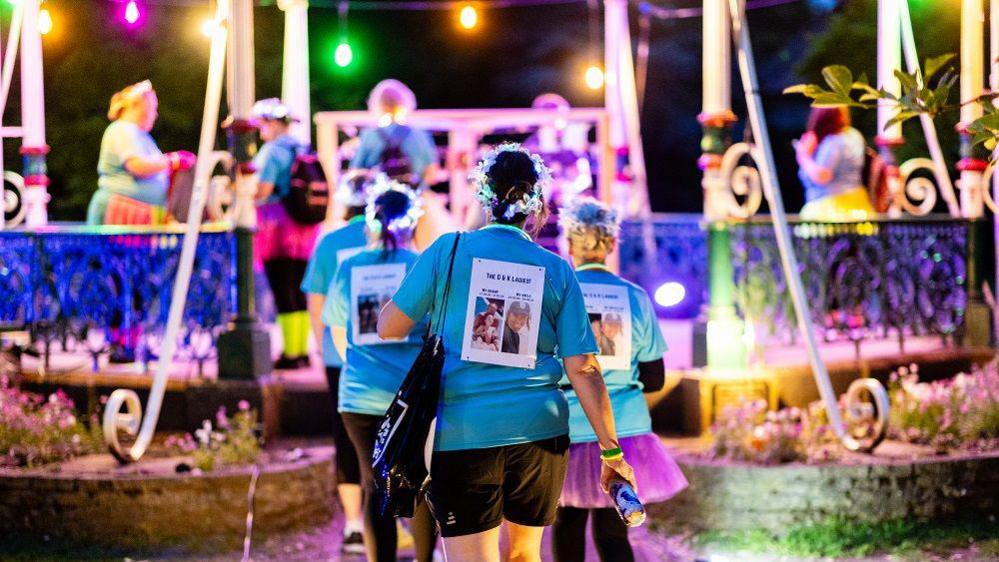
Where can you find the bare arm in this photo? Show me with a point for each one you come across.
(393, 323)
(588, 382)
(142, 167)
(315, 305)
(339, 334)
(818, 174)
(264, 190)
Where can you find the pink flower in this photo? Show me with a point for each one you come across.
(244, 405)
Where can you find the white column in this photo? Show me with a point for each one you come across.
(33, 117)
(889, 60)
(240, 87)
(972, 81)
(716, 64)
(295, 69)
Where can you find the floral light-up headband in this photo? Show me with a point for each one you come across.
(406, 222)
(353, 188)
(590, 223)
(530, 203)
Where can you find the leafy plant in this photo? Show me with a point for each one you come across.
(229, 441)
(36, 430)
(748, 432)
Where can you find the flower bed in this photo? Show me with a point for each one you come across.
(231, 441)
(36, 430)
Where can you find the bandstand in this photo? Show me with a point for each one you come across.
(878, 293)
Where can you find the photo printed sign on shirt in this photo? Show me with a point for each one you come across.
(610, 317)
(371, 286)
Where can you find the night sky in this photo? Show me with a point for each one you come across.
(511, 57)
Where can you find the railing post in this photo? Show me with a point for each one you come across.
(33, 147)
(244, 350)
(888, 139)
(718, 338)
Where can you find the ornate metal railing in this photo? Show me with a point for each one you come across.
(106, 290)
(872, 280)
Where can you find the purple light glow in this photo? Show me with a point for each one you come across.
(132, 15)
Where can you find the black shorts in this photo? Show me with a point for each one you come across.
(473, 490)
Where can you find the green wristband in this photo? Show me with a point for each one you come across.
(611, 454)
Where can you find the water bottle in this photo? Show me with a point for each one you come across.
(626, 501)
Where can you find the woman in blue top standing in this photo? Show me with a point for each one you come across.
(133, 176)
(631, 354)
(502, 427)
(333, 249)
(282, 245)
(393, 148)
(374, 368)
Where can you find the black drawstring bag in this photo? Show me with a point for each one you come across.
(398, 459)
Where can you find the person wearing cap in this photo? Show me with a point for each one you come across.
(517, 318)
(331, 251)
(374, 369)
(592, 229)
(282, 245)
(133, 176)
(393, 148)
(501, 443)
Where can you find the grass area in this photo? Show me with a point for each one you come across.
(840, 538)
(22, 548)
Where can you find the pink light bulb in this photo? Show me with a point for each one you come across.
(132, 12)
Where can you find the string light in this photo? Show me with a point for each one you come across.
(468, 17)
(132, 13)
(44, 21)
(209, 27)
(343, 54)
(594, 77)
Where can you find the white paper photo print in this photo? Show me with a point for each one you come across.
(371, 286)
(610, 317)
(504, 308)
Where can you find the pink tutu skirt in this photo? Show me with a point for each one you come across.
(659, 478)
(278, 236)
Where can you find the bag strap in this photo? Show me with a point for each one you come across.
(447, 286)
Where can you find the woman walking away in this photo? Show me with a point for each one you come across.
(831, 160)
(501, 444)
(283, 246)
(374, 368)
(633, 364)
(332, 250)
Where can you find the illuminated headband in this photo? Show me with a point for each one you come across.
(353, 188)
(589, 223)
(272, 109)
(126, 96)
(404, 223)
(532, 202)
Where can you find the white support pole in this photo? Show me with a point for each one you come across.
(889, 60)
(33, 147)
(972, 83)
(295, 69)
(240, 89)
(621, 99)
(716, 105)
(994, 86)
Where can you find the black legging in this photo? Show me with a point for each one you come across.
(609, 533)
(380, 532)
(347, 469)
(285, 275)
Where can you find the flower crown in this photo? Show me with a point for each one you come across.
(349, 193)
(406, 222)
(589, 222)
(530, 203)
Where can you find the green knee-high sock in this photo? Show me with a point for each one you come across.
(286, 323)
(305, 332)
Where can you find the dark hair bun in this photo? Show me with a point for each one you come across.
(511, 176)
(391, 205)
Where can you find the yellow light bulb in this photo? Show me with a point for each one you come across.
(468, 17)
(208, 27)
(594, 77)
(44, 21)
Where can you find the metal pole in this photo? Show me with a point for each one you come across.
(115, 419)
(771, 189)
(295, 68)
(33, 147)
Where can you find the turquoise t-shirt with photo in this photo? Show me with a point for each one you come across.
(631, 413)
(372, 374)
(333, 248)
(485, 405)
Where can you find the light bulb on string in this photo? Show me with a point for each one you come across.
(594, 77)
(209, 27)
(343, 55)
(132, 13)
(468, 17)
(44, 21)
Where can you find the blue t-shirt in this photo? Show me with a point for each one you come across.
(485, 405)
(332, 249)
(123, 140)
(273, 162)
(843, 153)
(418, 146)
(373, 373)
(631, 413)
